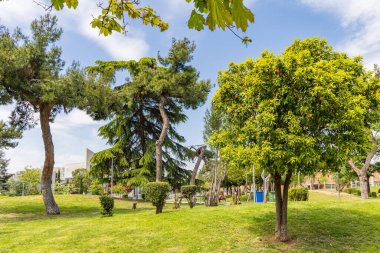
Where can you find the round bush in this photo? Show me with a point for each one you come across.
(61, 189)
(189, 192)
(299, 193)
(157, 192)
(373, 195)
(96, 188)
(107, 204)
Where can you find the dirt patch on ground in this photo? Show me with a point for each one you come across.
(15, 215)
(281, 246)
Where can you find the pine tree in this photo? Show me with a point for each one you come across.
(153, 95)
(31, 76)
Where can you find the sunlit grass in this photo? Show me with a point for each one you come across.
(323, 224)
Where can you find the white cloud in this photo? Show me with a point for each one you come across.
(22, 12)
(362, 21)
(5, 112)
(74, 119)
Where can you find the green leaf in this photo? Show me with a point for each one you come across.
(241, 15)
(196, 21)
(218, 15)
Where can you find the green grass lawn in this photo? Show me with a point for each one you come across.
(323, 224)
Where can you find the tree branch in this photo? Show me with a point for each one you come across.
(353, 166)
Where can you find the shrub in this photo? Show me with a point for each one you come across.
(358, 193)
(16, 188)
(73, 189)
(119, 189)
(299, 193)
(189, 192)
(373, 195)
(61, 189)
(96, 188)
(157, 192)
(107, 204)
(346, 190)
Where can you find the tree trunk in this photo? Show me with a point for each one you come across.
(281, 231)
(368, 185)
(51, 206)
(177, 204)
(161, 139)
(200, 152)
(363, 179)
(363, 172)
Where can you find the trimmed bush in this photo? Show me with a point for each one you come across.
(96, 188)
(61, 189)
(119, 189)
(189, 192)
(373, 195)
(157, 192)
(299, 194)
(107, 204)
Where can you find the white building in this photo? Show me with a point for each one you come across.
(66, 172)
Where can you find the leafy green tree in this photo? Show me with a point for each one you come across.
(360, 162)
(7, 140)
(30, 177)
(210, 13)
(4, 175)
(96, 188)
(15, 187)
(58, 177)
(31, 76)
(346, 176)
(81, 180)
(215, 169)
(132, 133)
(154, 94)
(302, 110)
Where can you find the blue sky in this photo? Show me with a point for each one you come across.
(349, 25)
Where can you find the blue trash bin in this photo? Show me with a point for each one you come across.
(259, 197)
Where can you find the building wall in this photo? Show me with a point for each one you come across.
(66, 172)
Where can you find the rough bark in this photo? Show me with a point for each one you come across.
(363, 172)
(213, 193)
(200, 153)
(161, 139)
(51, 206)
(177, 199)
(281, 231)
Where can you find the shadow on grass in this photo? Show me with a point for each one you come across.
(322, 230)
(31, 211)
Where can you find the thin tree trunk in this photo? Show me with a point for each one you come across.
(161, 139)
(368, 186)
(200, 153)
(363, 172)
(51, 206)
(281, 230)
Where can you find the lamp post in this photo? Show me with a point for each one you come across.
(111, 173)
(338, 186)
(253, 183)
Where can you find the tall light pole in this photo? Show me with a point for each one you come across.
(338, 185)
(253, 183)
(111, 173)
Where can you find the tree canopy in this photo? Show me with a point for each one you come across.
(212, 14)
(303, 110)
(32, 77)
(156, 87)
